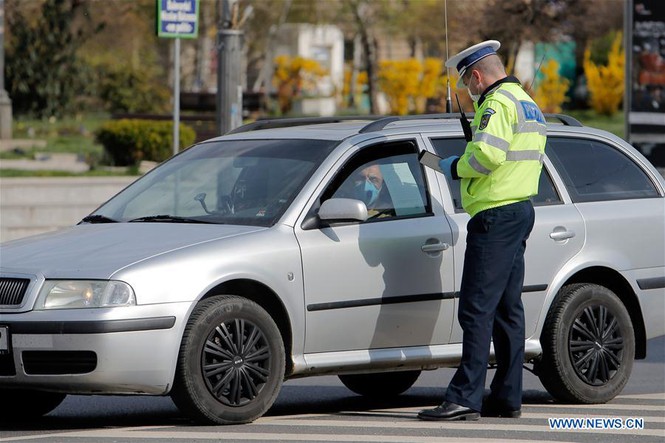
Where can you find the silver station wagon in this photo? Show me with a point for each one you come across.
(302, 247)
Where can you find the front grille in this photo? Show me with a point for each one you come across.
(12, 290)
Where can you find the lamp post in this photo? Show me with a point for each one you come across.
(229, 69)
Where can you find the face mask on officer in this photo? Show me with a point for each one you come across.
(474, 97)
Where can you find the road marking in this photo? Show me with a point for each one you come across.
(580, 408)
(366, 425)
(652, 396)
(507, 425)
(599, 414)
(216, 435)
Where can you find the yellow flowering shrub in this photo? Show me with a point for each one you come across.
(431, 83)
(408, 83)
(361, 82)
(294, 76)
(606, 83)
(551, 92)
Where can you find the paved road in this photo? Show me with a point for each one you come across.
(321, 410)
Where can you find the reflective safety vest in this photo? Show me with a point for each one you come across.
(502, 163)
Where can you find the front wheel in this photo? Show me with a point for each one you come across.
(380, 384)
(231, 362)
(588, 345)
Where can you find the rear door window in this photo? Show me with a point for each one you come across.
(595, 171)
(445, 147)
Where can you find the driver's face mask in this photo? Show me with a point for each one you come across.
(368, 188)
(371, 192)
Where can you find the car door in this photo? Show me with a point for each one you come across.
(558, 234)
(386, 282)
(621, 205)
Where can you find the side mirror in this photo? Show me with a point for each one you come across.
(343, 209)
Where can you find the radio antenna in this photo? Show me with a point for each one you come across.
(449, 100)
(535, 74)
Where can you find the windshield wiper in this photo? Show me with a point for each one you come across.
(165, 218)
(98, 218)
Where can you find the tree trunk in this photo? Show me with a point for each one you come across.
(369, 45)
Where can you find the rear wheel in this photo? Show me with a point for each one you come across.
(380, 384)
(25, 404)
(231, 363)
(588, 345)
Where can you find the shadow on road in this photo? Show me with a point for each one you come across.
(302, 397)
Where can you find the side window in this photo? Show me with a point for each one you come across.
(595, 171)
(445, 147)
(547, 194)
(388, 178)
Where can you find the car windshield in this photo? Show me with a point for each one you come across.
(241, 182)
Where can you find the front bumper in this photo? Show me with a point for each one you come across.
(128, 350)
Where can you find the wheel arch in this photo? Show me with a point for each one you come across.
(615, 282)
(265, 297)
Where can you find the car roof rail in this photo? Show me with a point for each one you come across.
(272, 123)
(566, 120)
(378, 122)
(385, 121)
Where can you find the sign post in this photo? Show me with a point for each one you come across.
(177, 19)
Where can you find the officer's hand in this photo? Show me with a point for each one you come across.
(445, 165)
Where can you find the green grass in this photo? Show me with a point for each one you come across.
(66, 135)
(73, 135)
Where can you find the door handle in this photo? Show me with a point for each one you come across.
(434, 247)
(561, 234)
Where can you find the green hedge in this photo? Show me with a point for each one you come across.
(129, 141)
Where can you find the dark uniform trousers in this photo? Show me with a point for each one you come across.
(490, 306)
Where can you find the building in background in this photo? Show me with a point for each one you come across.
(325, 45)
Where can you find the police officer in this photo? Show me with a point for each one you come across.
(499, 171)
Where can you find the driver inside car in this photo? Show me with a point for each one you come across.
(370, 187)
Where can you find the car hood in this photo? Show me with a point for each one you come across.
(99, 250)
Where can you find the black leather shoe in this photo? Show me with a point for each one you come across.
(449, 411)
(492, 408)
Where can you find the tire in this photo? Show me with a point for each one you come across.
(26, 404)
(588, 345)
(215, 381)
(380, 384)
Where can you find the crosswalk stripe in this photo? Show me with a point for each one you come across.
(217, 432)
(508, 425)
(410, 413)
(580, 409)
(366, 425)
(599, 414)
(217, 435)
(599, 407)
(652, 396)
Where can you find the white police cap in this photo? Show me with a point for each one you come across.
(464, 59)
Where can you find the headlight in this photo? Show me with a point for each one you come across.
(69, 294)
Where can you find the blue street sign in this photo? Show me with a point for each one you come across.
(178, 18)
